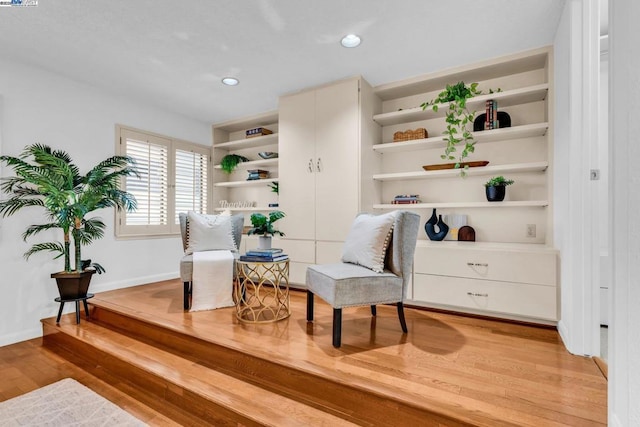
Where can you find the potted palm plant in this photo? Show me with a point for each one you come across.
(263, 226)
(49, 179)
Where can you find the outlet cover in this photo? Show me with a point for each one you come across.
(531, 230)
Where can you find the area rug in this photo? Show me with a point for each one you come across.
(64, 403)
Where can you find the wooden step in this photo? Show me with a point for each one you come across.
(334, 391)
(206, 395)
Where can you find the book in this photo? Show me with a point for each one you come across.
(277, 258)
(406, 202)
(264, 252)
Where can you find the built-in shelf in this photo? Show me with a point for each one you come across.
(252, 183)
(504, 99)
(257, 141)
(512, 247)
(454, 205)
(477, 171)
(254, 209)
(254, 163)
(516, 132)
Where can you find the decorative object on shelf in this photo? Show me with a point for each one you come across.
(274, 205)
(475, 164)
(49, 179)
(260, 131)
(455, 222)
(408, 135)
(268, 155)
(406, 199)
(236, 205)
(263, 226)
(432, 223)
(257, 174)
(275, 187)
(466, 234)
(504, 121)
(496, 188)
(231, 161)
(458, 118)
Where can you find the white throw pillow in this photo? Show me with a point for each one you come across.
(209, 233)
(367, 241)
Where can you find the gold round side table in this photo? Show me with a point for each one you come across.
(261, 291)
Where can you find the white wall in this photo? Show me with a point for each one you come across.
(576, 59)
(624, 360)
(46, 108)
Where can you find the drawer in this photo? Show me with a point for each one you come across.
(298, 250)
(298, 274)
(485, 295)
(535, 267)
(328, 252)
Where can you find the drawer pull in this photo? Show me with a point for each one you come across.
(475, 294)
(477, 264)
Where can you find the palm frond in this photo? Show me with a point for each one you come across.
(35, 229)
(55, 247)
(14, 204)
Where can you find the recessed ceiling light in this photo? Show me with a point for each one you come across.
(350, 40)
(230, 81)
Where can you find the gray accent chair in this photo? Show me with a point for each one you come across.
(186, 263)
(348, 285)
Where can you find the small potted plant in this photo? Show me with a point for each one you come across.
(231, 161)
(496, 188)
(263, 226)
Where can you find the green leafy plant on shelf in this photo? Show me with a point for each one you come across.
(263, 225)
(275, 187)
(458, 118)
(498, 181)
(229, 162)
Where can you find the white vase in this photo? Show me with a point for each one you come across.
(264, 242)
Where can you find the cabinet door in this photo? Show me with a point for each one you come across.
(337, 159)
(296, 165)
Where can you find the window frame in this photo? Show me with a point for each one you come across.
(124, 231)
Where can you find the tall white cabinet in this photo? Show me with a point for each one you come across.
(326, 134)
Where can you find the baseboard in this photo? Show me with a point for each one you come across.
(564, 334)
(110, 286)
(20, 336)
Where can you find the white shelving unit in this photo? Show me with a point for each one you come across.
(509, 271)
(229, 138)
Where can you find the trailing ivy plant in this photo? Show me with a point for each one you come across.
(230, 161)
(458, 119)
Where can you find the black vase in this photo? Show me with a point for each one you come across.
(496, 193)
(432, 223)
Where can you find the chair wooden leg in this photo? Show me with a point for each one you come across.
(309, 306)
(373, 310)
(337, 327)
(403, 323)
(187, 292)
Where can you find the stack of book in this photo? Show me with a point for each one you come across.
(406, 199)
(257, 174)
(250, 133)
(491, 111)
(264, 255)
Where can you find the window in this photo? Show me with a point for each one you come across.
(173, 178)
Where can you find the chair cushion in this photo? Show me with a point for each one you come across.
(367, 241)
(209, 232)
(345, 285)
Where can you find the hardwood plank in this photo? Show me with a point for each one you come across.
(484, 372)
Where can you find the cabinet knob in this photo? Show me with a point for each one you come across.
(310, 166)
(477, 264)
(475, 294)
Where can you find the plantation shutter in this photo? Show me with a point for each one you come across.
(191, 176)
(174, 177)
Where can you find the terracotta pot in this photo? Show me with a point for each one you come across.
(73, 285)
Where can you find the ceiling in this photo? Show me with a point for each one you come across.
(173, 54)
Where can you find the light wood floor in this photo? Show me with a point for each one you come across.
(518, 374)
(27, 366)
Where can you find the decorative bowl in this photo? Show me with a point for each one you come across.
(268, 154)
